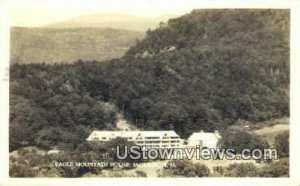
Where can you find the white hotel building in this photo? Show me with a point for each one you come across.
(159, 139)
(147, 139)
(204, 139)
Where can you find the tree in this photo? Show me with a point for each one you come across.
(48, 137)
(282, 144)
(240, 139)
(25, 117)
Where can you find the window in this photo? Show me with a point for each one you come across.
(152, 142)
(151, 137)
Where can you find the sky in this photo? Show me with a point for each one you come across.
(43, 12)
(34, 13)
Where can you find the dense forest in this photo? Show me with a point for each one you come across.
(205, 70)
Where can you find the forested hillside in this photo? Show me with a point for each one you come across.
(204, 70)
(66, 45)
(212, 68)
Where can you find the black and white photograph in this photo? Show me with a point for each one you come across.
(148, 89)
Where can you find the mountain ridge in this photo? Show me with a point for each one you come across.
(116, 21)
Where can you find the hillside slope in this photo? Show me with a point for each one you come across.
(51, 45)
(205, 70)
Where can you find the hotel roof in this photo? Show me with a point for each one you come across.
(127, 134)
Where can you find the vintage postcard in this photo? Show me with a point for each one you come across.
(150, 89)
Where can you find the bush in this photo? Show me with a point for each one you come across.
(242, 170)
(201, 170)
(68, 172)
(282, 144)
(219, 169)
(186, 168)
(20, 171)
(276, 169)
(12, 159)
(141, 174)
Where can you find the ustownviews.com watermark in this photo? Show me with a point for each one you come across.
(198, 153)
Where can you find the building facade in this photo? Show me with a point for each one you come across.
(204, 139)
(147, 139)
(159, 139)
